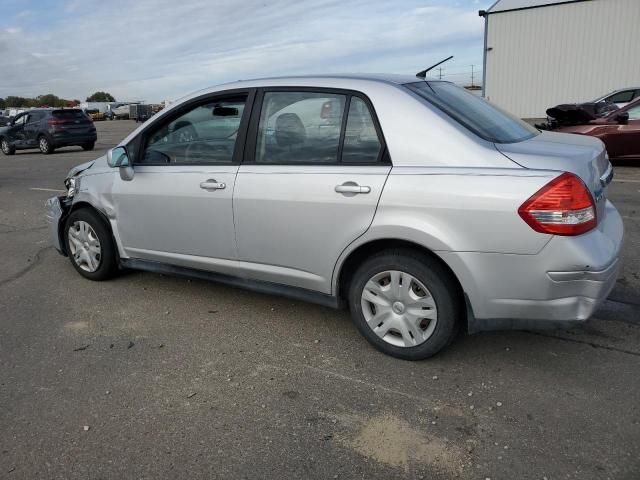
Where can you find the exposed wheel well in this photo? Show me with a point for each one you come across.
(363, 252)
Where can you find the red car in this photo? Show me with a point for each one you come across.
(619, 130)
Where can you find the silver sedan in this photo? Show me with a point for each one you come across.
(418, 205)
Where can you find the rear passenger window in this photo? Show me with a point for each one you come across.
(299, 127)
(361, 142)
(307, 128)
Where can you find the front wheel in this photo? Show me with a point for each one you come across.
(88, 146)
(6, 147)
(90, 245)
(405, 304)
(45, 145)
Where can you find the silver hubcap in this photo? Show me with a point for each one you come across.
(84, 246)
(5, 146)
(399, 308)
(43, 144)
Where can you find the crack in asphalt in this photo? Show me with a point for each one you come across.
(586, 342)
(14, 229)
(624, 302)
(35, 260)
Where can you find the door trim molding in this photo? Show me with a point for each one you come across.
(295, 293)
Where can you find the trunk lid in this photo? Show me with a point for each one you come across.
(73, 121)
(581, 155)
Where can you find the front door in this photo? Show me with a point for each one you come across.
(177, 209)
(31, 129)
(16, 131)
(626, 140)
(314, 169)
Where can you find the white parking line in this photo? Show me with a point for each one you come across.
(625, 181)
(46, 189)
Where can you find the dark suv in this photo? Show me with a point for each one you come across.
(48, 129)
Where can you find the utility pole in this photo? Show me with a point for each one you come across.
(439, 73)
(472, 75)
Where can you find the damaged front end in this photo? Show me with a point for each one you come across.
(571, 114)
(58, 208)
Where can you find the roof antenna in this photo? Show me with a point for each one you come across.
(423, 73)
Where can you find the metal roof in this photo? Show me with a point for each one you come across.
(375, 77)
(509, 5)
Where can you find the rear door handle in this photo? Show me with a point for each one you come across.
(352, 187)
(212, 184)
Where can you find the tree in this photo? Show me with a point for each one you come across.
(101, 97)
(12, 101)
(49, 100)
(3, 104)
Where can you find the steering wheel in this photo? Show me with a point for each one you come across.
(183, 132)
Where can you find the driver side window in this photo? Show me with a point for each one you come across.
(206, 134)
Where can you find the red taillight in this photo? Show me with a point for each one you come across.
(55, 122)
(564, 206)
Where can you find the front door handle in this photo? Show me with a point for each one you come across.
(212, 184)
(352, 187)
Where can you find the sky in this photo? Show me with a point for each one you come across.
(154, 50)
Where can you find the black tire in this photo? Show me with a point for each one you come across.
(107, 266)
(45, 145)
(434, 276)
(88, 146)
(6, 147)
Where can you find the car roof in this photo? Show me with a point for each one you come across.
(350, 80)
(626, 89)
(396, 79)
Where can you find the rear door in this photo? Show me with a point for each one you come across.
(314, 168)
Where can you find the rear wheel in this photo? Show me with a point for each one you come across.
(90, 245)
(405, 304)
(45, 145)
(6, 147)
(88, 146)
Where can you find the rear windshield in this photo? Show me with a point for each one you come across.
(68, 114)
(481, 117)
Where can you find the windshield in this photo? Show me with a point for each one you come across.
(481, 117)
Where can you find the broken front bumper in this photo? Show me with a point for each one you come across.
(55, 210)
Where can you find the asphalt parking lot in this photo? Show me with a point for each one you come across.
(179, 378)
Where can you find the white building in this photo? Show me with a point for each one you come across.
(540, 53)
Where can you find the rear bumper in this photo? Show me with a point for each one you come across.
(63, 139)
(564, 283)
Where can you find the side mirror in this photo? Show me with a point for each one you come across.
(622, 118)
(118, 158)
